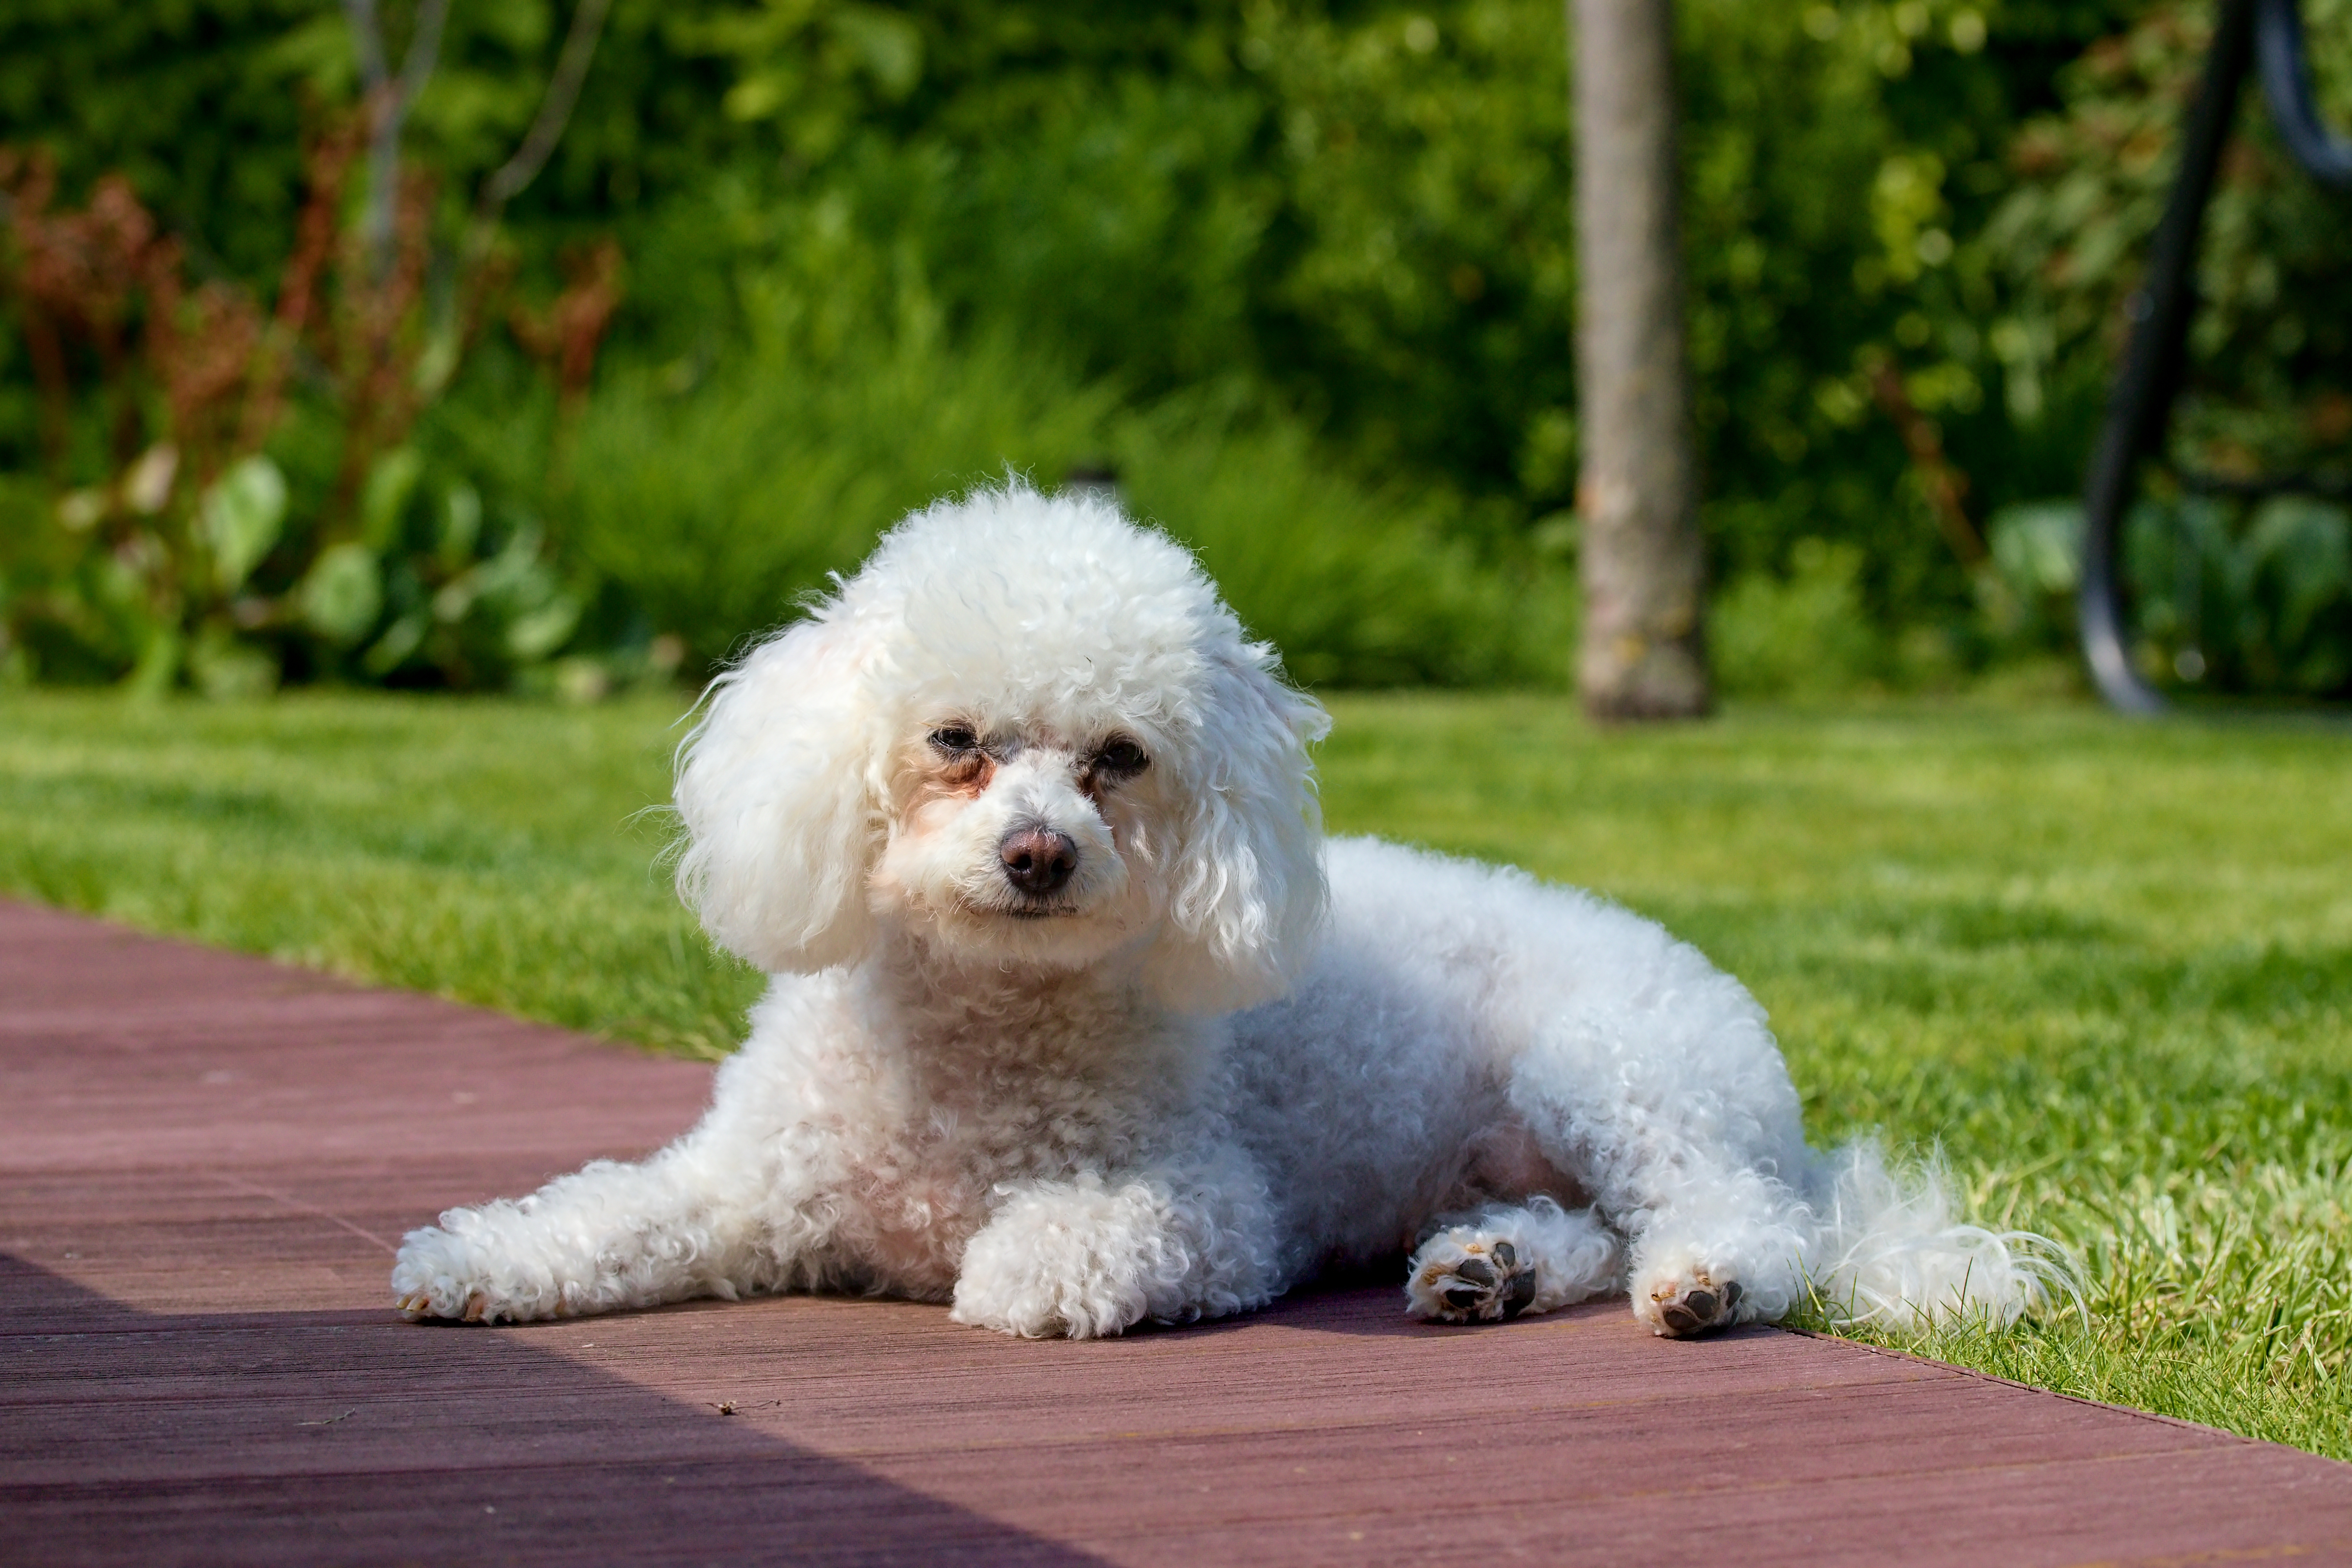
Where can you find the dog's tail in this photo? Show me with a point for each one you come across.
(1890, 1250)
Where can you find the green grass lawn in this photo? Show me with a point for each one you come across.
(2105, 969)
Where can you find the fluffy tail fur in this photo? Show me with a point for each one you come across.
(1889, 1251)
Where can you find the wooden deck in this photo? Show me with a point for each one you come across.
(206, 1160)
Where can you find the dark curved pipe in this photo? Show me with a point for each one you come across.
(2141, 405)
(2285, 70)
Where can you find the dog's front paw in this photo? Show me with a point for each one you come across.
(430, 1278)
(1076, 1260)
(1044, 1285)
(1685, 1303)
(440, 1276)
(418, 1305)
(1461, 1276)
(1040, 1309)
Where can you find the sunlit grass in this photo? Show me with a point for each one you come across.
(2106, 969)
(496, 852)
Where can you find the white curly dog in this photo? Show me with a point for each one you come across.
(1078, 1023)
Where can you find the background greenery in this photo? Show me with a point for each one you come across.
(1313, 250)
(2105, 969)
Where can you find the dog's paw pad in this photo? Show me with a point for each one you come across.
(1460, 1276)
(1692, 1306)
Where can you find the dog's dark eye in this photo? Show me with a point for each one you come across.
(954, 740)
(1121, 758)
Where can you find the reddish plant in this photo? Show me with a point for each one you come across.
(565, 337)
(76, 278)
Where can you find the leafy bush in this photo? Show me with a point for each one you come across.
(710, 509)
(2271, 386)
(1909, 226)
(232, 495)
(1803, 636)
(2222, 595)
(2245, 598)
(1357, 586)
(714, 508)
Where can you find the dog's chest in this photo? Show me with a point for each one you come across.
(969, 1129)
(915, 1183)
(895, 1129)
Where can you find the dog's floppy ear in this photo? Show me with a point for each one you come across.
(1245, 874)
(779, 791)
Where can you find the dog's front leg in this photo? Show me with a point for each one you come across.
(1097, 1254)
(608, 1237)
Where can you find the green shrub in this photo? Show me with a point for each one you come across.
(1358, 587)
(2220, 596)
(712, 508)
(2271, 352)
(1804, 635)
(2239, 598)
(1358, 213)
(232, 493)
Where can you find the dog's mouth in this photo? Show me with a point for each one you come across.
(1037, 912)
(1023, 909)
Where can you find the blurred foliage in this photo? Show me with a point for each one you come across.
(2233, 596)
(233, 495)
(721, 504)
(2230, 594)
(2258, 602)
(2272, 391)
(873, 252)
(1799, 637)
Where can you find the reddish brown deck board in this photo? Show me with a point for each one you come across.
(205, 1160)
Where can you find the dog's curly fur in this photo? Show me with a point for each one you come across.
(1077, 1022)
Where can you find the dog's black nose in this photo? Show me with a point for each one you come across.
(1037, 861)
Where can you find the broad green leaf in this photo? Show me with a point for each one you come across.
(533, 636)
(241, 517)
(384, 497)
(342, 593)
(2039, 547)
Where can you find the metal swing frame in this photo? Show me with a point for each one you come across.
(2267, 35)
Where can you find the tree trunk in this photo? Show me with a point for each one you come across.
(1642, 653)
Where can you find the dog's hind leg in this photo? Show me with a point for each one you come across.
(608, 1237)
(1508, 1258)
(1698, 1171)
(1654, 1084)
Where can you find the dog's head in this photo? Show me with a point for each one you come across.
(1026, 732)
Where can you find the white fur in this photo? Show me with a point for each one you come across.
(1188, 1079)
